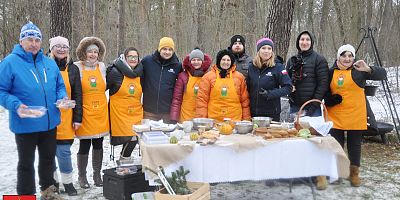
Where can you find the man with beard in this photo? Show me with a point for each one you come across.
(243, 60)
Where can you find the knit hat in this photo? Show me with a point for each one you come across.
(166, 42)
(92, 47)
(58, 40)
(264, 41)
(221, 54)
(30, 30)
(237, 38)
(196, 53)
(298, 40)
(344, 48)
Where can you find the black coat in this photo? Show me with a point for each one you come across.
(309, 73)
(273, 79)
(158, 82)
(377, 73)
(116, 73)
(76, 92)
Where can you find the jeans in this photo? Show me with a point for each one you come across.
(63, 154)
(26, 146)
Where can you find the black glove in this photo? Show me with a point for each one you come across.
(333, 100)
(264, 92)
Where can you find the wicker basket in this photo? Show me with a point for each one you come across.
(297, 122)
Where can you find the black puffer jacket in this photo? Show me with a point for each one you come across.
(273, 79)
(117, 71)
(76, 92)
(309, 73)
(158, 82)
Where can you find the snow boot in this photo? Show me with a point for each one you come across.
(97, 161)
(82, 164)
(321, 183)
(50, 194)
(69, 188)
(354, 176)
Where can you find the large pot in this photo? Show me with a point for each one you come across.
(370, 90)
(207, 122)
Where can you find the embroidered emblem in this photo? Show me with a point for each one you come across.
(340, 80)
(196, 90)
(93, 81)
(171, 70)
(224, 91)
(268, 74)
(131, 89)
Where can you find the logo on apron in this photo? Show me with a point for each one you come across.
(340, 80)
(224, 90)
(92, 81)
(196, 90)
(131, 89)
(95, 104)
(130, 109)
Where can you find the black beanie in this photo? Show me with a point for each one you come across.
(221, 54)
(237, 38)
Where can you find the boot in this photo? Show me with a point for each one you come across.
(69, 188)
(321, 183)
(354, 176)
(97, 161)
(82, 164)
(50, 194)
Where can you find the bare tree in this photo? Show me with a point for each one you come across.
(60, 18)
(279, 23)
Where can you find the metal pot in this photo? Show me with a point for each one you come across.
(243, 127)
(208, 123)
(262, 121)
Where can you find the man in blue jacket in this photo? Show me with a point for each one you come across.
(160, 71)
(29, 78)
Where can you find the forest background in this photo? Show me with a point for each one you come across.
(208, 24)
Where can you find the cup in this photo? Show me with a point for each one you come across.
(187, 126)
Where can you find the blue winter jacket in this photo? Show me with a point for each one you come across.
(33, 83)
(158, 82)
(273, 79)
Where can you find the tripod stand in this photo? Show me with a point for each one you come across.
(368, 35)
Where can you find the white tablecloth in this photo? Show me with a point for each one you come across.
(284, 159)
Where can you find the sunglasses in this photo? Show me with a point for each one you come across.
(132, 57)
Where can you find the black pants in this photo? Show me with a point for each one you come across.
(128, 148)
(26, 146)
(354, 139)
(84, 145)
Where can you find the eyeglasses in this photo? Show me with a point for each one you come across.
(59, 47)
(132, 57)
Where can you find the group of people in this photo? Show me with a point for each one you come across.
(159, 87)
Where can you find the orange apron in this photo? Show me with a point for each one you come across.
(351, 114)
(94, 103)
(224, 101)
(126, 108)
(65, 130)
(189, 98)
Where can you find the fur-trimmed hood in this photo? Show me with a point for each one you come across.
(85, 42)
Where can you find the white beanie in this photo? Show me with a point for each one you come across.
(344, 48)
(58, 40)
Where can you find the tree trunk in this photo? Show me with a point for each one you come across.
(201, 26)
(322, 27)
(121, 26)
(250, 25)
(3, 30)
(279, 23)
(60, 18)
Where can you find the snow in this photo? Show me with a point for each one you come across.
(380, 184)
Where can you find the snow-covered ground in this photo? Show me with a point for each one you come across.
(378, 184)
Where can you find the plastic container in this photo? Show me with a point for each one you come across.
(32, 112)
(65, 103)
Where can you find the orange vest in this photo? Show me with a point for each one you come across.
(65, 131)
(351, 114)
(126, 108)
(94, 103)
(189, 99)
(224, 101)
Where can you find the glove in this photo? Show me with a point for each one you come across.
(333, 100)
(264, 92)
